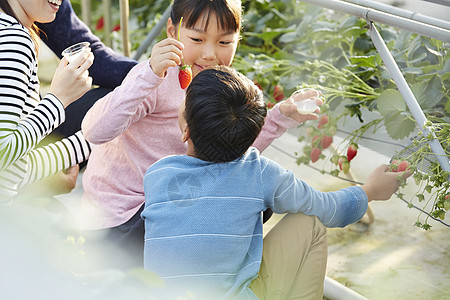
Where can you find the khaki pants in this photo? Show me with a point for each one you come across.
(294, 260)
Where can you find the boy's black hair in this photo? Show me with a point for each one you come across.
(225, 112)
(228, 13)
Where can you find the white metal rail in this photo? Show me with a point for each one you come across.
(433, 31)
(422, 27)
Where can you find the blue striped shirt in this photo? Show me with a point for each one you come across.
(203, 221)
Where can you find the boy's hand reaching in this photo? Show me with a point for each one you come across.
(167, 53)
(289, 109)
(382, 184)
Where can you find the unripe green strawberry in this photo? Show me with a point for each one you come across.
(345, 167)
(335, 159)
(185, 76)
(447, 202)
(315, 141)
(331, 130)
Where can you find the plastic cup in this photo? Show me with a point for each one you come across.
(74, 51)
(304, 106)
(307, 106)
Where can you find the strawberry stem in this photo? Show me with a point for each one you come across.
(179, 39)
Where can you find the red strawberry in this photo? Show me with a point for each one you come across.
(351, 151)
(394, 166)
(270, 105)
(315, 154)
(278, 93)
(100, 24)
(447, 197)
(326, 141)
(403, 166)
(322, 121)
(116, 27)
(185, 76)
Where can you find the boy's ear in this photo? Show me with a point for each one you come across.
(171, 29)
(185, 134)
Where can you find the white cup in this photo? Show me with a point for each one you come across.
(74, 51)
(304, 106)
(307, 106)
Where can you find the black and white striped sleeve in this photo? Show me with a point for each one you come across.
(46, 161)
(24, 120)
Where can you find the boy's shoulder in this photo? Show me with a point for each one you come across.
(180, 161)
(184, 161)
(167, 161)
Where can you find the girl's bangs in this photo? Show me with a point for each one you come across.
(228, 17)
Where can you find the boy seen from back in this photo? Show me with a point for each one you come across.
(203, 226)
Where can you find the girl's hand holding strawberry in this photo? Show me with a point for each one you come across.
(289, 109)
(165, 54)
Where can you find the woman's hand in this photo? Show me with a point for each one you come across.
(62, 182)
(289, 109)
(165, 54)
(71, 80)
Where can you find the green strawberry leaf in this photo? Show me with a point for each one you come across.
(390, 102)
(428, 94)
(364, 61)
(352, 32)
(399, 126)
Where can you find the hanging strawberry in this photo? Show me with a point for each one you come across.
(315, 154)
(351, 151)
(403, 166)
(323, 120)
(185, 74)
(344, 164)
(326, 141)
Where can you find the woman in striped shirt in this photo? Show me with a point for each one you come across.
(25, 118)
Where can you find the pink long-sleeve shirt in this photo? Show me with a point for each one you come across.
(130, 129)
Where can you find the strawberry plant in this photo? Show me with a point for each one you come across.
(304, 46)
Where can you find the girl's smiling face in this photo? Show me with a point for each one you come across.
(205, 46)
